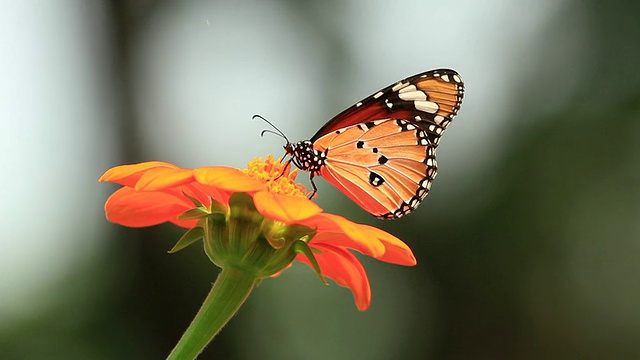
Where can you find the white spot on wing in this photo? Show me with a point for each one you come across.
(389, 104)
(438, 119)
(412, 96)
(427, 106)
(456, 78)
(398, 86)
(445, 78)
(359, 104)
(408, 88)
(378, 94)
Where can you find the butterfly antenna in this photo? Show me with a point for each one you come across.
(280, 133)
(270, 132)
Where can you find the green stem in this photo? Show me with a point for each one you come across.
(229, 292)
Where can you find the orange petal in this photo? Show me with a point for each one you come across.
(396, 251)
(187, 224)
(161, 178)
(285, 208)
(343, 267)
(128, 175)
(227, 178)
(210, 191)
(339, 231)
(133, 208)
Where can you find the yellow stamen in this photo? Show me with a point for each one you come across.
(273, 174)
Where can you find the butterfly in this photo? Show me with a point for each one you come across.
(381, 152)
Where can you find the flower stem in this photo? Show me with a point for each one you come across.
(227, 294)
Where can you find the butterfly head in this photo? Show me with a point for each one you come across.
(290, 148)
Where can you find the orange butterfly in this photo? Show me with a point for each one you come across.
(381, 152)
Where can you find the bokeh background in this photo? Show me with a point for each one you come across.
(528, 246)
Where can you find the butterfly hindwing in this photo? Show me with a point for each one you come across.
(385, 166)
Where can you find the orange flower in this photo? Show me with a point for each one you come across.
(155, 192)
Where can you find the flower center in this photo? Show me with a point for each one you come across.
(277, 179)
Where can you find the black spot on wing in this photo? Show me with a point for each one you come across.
(375, 179)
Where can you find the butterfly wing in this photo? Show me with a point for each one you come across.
(381, 151)
(429, 99)
(386, 166)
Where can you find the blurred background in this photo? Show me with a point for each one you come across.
(528, 246)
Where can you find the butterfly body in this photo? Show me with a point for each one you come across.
(381, 151)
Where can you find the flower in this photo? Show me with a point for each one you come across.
(257, 219)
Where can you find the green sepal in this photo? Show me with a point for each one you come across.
(217, 207)
(240, 203)
(301, 247)
(194, 214)
(244, 220)
(195, 201)
(218, 218)
(276, 242)
(300, 232)
(278, 234)
(191, 236)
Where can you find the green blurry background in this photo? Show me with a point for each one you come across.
(528, 246)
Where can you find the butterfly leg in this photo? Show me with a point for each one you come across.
(313, 185)
(284, 169)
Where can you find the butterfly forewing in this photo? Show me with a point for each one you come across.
(430, 99)
(381, 151)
